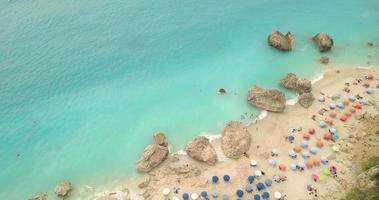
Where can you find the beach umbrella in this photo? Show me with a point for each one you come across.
(335, 136)
(352, 98)
(352, 110)
(260, 186)
(332, 130)
(225, 197)
(327, 136)
(253, 163)
(326, 172)
(304, 144)
(274, 152)
(313, 150)
(322, 178)
(363, 101)
(251, 179)
(366, 83)
(306, 135)
(204, 194)
(324, 159)
(265, 195)
(333, 113)
(319, 143)
(336, 148)
(291, 138)
(340, 105)
(272, 162)
(322, 124)
(175, 198)
(257, 197)
(329, 120)
(346, 102)
(333, 169)
(239, 193)
(314, 177)
(268, 182)
(357, 106)
(277, 195)
(292, 154)
(321, 99)
(292, 166)
(215, 179)
(343, 118)
(166, 191)
(316, 162)
(249, 188)
(297, 148)
(258, 173)
(332, 105)
(370, 90)
(185, 196)
(194, 196)
(301, 165)
(348, 113)
(336, 97)
(312, 131)
(282, 166)
(309, 163)
(226, 178)
(306, 154)
(215, 194)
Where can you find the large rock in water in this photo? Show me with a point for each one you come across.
(271, 100)
(235, 140)
(63, 189)
(160, 139)
(306, 100)
(152, 156)
(289, 81)
(324, 41)
(303, 86)
(39, 197)
(281, 41)
(202, 150)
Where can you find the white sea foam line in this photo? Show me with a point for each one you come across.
(368, 67)
(262, 115)
(292, 102)
(317, 78)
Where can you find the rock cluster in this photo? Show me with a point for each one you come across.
(154, 154)
(202, 150)
(289, 81)
(306, 100)
(267, 99)
(324, 60)
(235, 140)
(39, 197)
(281, 41)
(323, 41)
(302, 86)
(63, 189)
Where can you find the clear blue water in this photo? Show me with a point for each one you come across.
(85, 84)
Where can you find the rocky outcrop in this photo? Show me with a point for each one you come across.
(160, 139)
(270, 100)
(324, 60)
(39, 197)
(366, 180)
(303, 86)
(281, 41)
(324, 41)
(152, 156)
(235, 140)
(202, 150)
(289, 81)
(63, 189)
(306, 100)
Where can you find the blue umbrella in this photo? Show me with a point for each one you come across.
(275, 152)
(292, 154)
(313, 150)
(225, 197)
(370, 90)
(321, 99)
(265, 195)
(335, 136)
(291, 138)
(257, 197)
(324, 160)
(304, 144)
(332, 130)
(249, 188)
(301, 164)
(332, 105)
(364, 101)
(215, 194)
(306, 154)
(260, 186)
(239, 193)
(185, 196)
(251, 179)
(226, 178)
(214, 179)
(268, 182)
(272, 162)
(352, 98)
(340, 105)
(292, 166)
(322, 124)
(204, 194)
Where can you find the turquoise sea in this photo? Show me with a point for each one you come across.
(84, 84)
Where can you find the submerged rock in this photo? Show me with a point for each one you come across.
(281, 41)
(202, 150)
(324, 41)
(221, 91)
(39, 197)
(152, 156)
(235, 140)
(63, 189)
(324, 60)
(370, 44)
(289, 81)
(306, 100)
(303, 86)
(270, 100)
(160, 139)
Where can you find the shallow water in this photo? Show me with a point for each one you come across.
(85, 84)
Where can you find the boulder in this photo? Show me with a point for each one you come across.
(235, 140)
(324, 41)
(324, 60)
(289, 81)
(152, 156)
(160, 139)
(303, 86)
(39, 197)
(63, 189)
(306, 100)
(221, 91)
(281, 41)
(202, 150)
(270, 100)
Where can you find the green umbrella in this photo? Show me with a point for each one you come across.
(322, 178)
(327, 172)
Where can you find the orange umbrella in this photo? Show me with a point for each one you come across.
(306, 136)
(357, 105)
(327, 136)
(333, 113)
(370, 76)
(297, 148)
(309, 163)
(329, 120)
(346, 102)
(366, 83)
(282, 166)
(312, 131)
(343, 118)
(348, 113)
(316, 162)
(352, 110)
(319, 143)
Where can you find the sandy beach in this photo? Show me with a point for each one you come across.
(182, 173)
